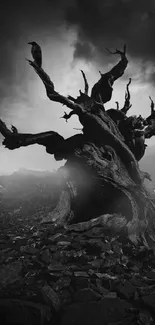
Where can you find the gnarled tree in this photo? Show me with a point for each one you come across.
(102, 180)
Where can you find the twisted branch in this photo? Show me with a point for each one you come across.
(152, 105)
(51, 93)
(85, 82)
(127, 103)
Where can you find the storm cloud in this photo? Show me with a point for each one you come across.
(99, 24)
(111, 23)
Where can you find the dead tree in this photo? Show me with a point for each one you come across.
(102, 180)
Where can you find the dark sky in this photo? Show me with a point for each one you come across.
(100, 24)
(93, 26)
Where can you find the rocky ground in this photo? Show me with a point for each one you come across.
(69, 276)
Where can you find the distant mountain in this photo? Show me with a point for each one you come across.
(29, 190)
(24, 171)
(2, 190)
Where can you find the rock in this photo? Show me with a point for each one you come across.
(10, 273)
(106, 276)
(81, 283)
(63, 243)
(118, 269)
(150, 275)
(96, 243)
(19, 241)
(104, 312)
(149, 301)
(53, 248)
(20, 312)
(101, 289)
(116, 248)
(82, 274)
(126, 290)
(135, 268)
(145, 319)
(63, 282)
(96, 263)
(86, 295)
(111, 295)
(46, 256)
(110, 261)
(32, 250)
(106, 247)
(50, 297)
(124, 260)
(55, 266)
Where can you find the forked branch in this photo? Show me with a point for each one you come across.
(121, 53)
(67, 116)
(13, 140)
(51, 93)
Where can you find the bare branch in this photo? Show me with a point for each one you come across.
(127, 104)
(151, 118)
(152, 105)
(104, 85)
(14, 129)
(100, 73)
(146, 175)
(50, 139)
(67, 116)
(72, 98)
(51, 93)
(122, 53)
(4, 130)
(150, 130)
(117, 106)
(85, 82)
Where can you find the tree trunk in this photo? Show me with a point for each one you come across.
(101, 180)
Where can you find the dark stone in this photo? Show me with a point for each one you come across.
(150, 275)
(10, 273)
(51, 297)
(126, 290)
(86, 295)
(149, 301)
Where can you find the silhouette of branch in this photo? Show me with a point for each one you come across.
(122, 53)
(150, 129)
(152, 105)
(151, 117)
(127, 103)
(117, 106)
(72, 98)
(105, 83)
(51, 93)
(85, 82)
(118, 70)
(50, 139)
(67, 116)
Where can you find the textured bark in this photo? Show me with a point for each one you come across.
(102, 182)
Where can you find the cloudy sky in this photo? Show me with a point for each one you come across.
(73, 35)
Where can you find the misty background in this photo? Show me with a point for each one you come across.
(73, 35)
